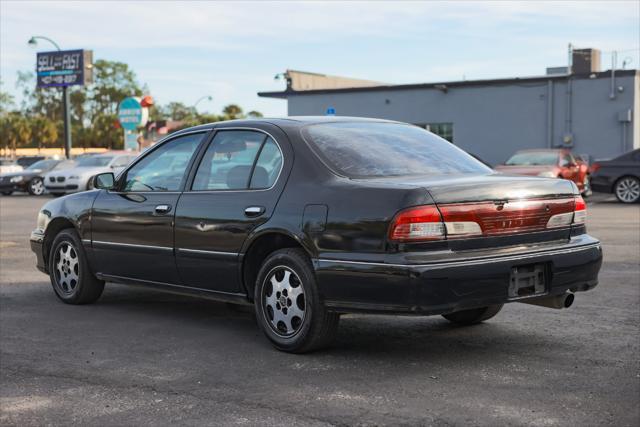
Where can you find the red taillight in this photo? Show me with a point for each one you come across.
(461, 220)
(580, 211)
(594, 167)
(422, 223)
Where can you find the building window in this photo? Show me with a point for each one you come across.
(443, 130)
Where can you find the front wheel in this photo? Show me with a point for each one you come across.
(69, 271)
(627, 189)
(473, 316)
(287, 304)
(36, 187)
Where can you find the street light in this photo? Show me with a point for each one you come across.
(33, 41)
(207, 97)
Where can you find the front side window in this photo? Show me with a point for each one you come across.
(230, 162)
(375, 149)
(164, 168)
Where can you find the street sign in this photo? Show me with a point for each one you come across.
(132, 114)
(64, 68)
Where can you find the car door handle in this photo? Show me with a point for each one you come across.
(254, 211)
(162, 209)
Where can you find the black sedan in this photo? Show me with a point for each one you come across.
(620, 176)
(309, 218)
(31, 178)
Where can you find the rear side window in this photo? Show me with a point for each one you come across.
(267, 167)
(238, 160)
(365, 150)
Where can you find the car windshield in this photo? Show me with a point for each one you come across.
(533, 158)
(43, 165)
(94, 161)
(376, 149)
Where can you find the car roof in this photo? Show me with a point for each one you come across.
(296, 121)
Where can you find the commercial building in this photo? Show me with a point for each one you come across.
(590, 111)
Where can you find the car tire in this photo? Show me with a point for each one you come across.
(72, 280)
(291, 314)
(627, 189)
(57, 194)
(7, 193)
(473, 316)
(36, 187)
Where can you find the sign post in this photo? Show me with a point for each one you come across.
(131, 115)
(63, 68)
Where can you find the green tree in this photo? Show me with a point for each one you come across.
(15, 130)
(232, 111)
(6, 101)
(254, 114)
(44, 132)
(179, 112)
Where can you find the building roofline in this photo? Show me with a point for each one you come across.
(451, 84)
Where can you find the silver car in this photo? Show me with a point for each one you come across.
(79, 178)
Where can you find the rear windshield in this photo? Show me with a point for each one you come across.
(533, 158)
(366, 150)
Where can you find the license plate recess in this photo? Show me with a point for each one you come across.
(527, 280)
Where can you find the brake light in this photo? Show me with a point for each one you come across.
(594, 167)
(462, 220)
(580, 211)
(421, 223)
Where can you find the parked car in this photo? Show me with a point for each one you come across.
(308, 218)
(31, 179)
(549, 163)
(79, 177)
(26, 161)
(620, 176)
(8, 166)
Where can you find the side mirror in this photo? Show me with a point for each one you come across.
(104, 181)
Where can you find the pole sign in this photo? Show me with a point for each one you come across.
(64, 68)
(131, 114)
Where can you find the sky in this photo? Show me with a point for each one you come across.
(232, 50)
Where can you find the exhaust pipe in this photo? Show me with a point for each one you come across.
(558, 302)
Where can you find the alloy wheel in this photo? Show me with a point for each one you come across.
(67, 268)
(37, 187)
(628, 190)
(284, 301)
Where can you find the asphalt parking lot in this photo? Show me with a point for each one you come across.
(141, 357)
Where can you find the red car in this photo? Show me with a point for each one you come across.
(549, 163)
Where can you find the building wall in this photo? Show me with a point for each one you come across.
(494, 121)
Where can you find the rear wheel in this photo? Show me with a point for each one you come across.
(473, 316)
(7, 193)
(627, 189)
(36, 187)
(287, 304)
(69, 271)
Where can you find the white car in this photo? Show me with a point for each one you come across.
(79, 177)
(9, 166)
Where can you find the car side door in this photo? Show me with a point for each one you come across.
(233, 190)
(132, 225)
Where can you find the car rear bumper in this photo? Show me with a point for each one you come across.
(36, 241)
(447, 286)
